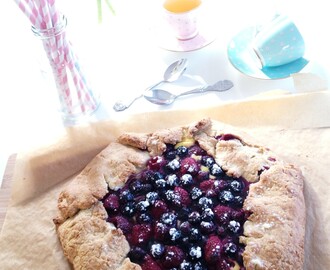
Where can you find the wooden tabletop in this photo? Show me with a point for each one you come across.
(5, 188)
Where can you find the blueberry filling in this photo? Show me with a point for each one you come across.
(181, 212)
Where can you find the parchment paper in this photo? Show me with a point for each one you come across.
(296, 127)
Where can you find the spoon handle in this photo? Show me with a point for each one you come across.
(123, 105)
(219, 86)
(152, 86)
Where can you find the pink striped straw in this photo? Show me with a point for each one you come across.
(85, 93)
(27, 11)
(44, 16)
(55, 48)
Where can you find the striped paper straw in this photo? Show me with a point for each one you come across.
(56, 53)
(85, 93)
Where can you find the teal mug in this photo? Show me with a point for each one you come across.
(279, 42)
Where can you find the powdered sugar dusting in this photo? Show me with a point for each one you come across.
(257, 261)
(195, 252)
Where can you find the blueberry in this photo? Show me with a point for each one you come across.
(186, 180)
(195, 253)
(128, 209)
(186, 265)
(199, 266)
(238, 201)
(144, 218)
(183, 213)
(195, 193)
(207, 227)
(160, 184)
(157, 175)
(173, 165)
(236, 186)
(172, 180)
(230, 249)
(216, 170)
(142, 206)
(152, 196)
(170, 155)
(157, 250)
(195, 235)
(205, 203)
(207, 214)
(173, 197)
(168, 218)
(182, 151)
(147, 176)
(175, 234)
(136, 254)
(185, 227)
(226, 197)
(185, 242)
(194, 217)
(136, 187)
(146, 188)
(207, 161)
(126, 196)
(234, 227)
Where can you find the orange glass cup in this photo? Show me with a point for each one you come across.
(182, 15)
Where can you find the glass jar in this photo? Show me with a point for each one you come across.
(76, 99)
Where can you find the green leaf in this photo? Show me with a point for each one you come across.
(110, 7)
(99, 10)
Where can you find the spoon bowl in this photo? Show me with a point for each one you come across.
(160, 97)
(174, 71)
(171, 74)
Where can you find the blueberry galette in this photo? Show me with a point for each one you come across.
(186, 198)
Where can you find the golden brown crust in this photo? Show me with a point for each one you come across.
(241, 159)
(89, 242)
(137, 140)
(157, 141)
(273, 234)
(110, 168)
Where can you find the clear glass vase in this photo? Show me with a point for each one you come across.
(76, 98)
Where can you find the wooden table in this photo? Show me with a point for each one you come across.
(5, 188)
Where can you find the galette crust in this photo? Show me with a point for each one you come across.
(137, 140)
(240, 159)
(273, 233)
(89, 242)
(110, 168)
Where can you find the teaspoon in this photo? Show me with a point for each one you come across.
(172, 73)
(163, 97)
